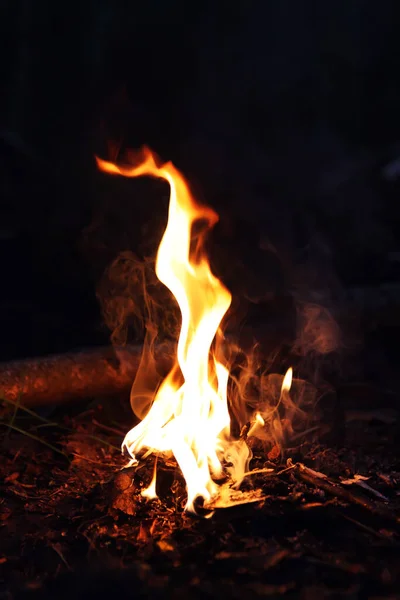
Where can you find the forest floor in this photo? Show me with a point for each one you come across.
(74, 525)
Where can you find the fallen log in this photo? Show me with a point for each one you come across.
(96, 372)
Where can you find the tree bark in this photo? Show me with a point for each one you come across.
(75, 376)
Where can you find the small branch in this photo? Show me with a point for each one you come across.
(323, 483)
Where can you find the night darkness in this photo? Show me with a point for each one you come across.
(284, 116)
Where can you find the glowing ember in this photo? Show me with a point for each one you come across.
(189, 415)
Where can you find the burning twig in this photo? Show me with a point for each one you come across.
(251, 426)
(228, 498)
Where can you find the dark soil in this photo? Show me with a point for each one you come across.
(74, 525)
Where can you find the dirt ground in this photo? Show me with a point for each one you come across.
(74, 525)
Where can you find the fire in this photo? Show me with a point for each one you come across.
(150, 492)
(189, 416)
(287, 381)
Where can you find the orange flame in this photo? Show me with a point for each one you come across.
(150, 491)
(189, 416)
(287, 380)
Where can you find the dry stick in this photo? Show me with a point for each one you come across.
(85, 374)
(309, 476)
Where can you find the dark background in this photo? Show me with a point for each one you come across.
(284, 116)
